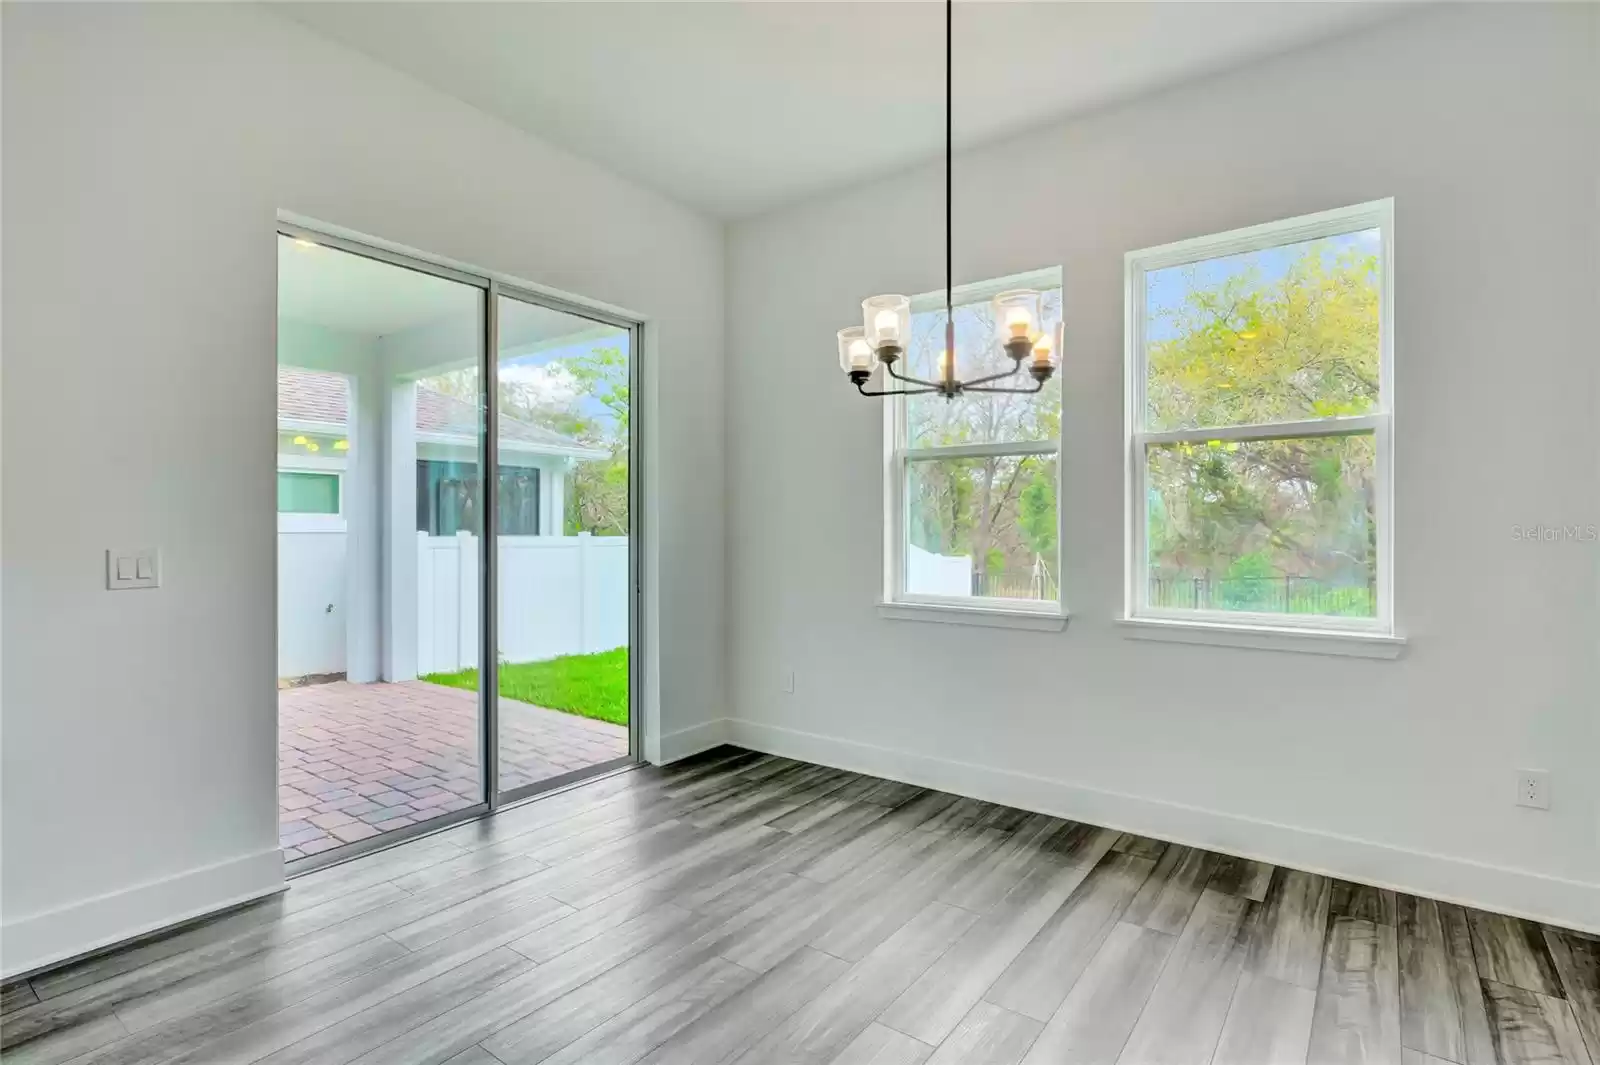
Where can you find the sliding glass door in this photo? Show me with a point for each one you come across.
(456, 619)
(563, 570)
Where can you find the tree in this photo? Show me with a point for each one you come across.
(1259, 515)
(597, 494)
(997, 510)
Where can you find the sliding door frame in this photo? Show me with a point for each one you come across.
(489, 566)
(491, 288)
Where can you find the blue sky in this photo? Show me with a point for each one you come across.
(1166, 289)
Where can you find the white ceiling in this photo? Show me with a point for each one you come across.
(734, 108)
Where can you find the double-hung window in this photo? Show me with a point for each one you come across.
(972, 482)
(1260, 427)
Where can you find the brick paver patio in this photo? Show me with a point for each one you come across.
(355, 760)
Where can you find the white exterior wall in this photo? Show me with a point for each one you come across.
(1480, 120)
(148, 150)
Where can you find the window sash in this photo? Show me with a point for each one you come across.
(980, 451)
(898, 467)
(899, 454)
(1377, 215)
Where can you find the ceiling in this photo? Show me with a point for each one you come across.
(734, 108)
(354, 294)
(325, 286)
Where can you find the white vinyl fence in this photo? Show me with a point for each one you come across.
(559, 595)
(311, 574)
(931, 574)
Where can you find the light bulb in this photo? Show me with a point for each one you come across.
(887, 325)
(1019, 323)
(860, 354)
(1043, 350)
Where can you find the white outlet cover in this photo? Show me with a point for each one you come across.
(1533, 789)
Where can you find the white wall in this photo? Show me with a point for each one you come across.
(148, 149)
(1480, 121)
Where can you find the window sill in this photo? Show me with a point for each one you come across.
(1307, 641)
(1031, 620)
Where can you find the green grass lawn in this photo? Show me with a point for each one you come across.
(587, 685)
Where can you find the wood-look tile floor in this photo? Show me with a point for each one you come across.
(750, 909)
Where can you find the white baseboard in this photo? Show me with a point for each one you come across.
(53, 936)
(1510, 891)
(692, 740)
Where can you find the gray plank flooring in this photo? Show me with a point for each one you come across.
(744, 909)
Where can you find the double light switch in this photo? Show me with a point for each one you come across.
(133, 568)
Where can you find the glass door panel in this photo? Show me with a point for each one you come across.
(378, 442)
(564, 552)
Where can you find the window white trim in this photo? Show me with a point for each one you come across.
(1264, 637)
(289, 463)
(1308, 632)
(896, 603)
(1006, 614)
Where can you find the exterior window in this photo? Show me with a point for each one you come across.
(447, 498)
(973, 481)
(1259, 421)
(308, 493)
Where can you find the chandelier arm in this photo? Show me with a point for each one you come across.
(932, 386)
(893, 391)
(1002, 375)
(1038, 387)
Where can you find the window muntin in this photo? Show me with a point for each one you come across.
(1260, 460)
(973, 495)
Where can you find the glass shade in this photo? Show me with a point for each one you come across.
(1047, 349)
(887, 321)
(854, 351)
(1016, 315)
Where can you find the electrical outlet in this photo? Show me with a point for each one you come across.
(788, 681)
(1533, 788)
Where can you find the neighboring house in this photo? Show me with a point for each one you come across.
(314, 445)
(349, 604)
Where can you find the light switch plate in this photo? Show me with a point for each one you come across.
(128, 567)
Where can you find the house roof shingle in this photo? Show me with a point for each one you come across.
(316, 396)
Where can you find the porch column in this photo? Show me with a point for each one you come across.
(399, 532)
(364, 567)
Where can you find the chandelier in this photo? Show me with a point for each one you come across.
(882, 337)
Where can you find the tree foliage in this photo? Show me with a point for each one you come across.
(1254, 517)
